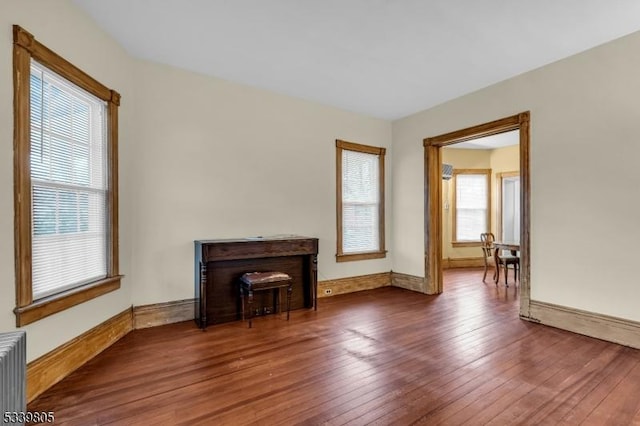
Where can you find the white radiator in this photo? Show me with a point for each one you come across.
(13, 372)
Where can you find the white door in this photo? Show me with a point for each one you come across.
(511, 208)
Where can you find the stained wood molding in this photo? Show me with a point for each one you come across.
(433, 199)
(433, 218)
(353, 284)
(59, 302)
(464, 262)
(408, 282)
(49, 369)
(26, 48)
(41, 53)
(145, 316)
(367, 149)
(604, 327)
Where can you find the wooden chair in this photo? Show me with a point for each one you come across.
(487, 240)
(503, 261)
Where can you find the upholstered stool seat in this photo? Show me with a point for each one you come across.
(259, 281)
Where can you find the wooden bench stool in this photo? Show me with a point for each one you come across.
(259, 281)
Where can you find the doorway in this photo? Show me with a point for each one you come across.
(433, 198)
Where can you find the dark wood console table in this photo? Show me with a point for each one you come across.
(219, 264)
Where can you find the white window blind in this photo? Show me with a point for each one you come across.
(360, 202)
(68, 184)
(471, 206)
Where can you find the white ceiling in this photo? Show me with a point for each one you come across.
(384, 58)
(490, 142)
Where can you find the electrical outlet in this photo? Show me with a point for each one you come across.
(327, 291)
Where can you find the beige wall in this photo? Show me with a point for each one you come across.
(199, 158)
(585, 123)
(61, 27)
(215, 159)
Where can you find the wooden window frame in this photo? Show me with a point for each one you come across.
(25, 48)
(367, 149)
(454, 233)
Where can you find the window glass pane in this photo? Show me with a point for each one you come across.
(68, 208)
(58, 112)
(81, 164)
(44, 211)
(61, 160)
(471, 223)
(83, 212)
(40, 155)
(36, 98)
(359, 177)
(471, 206)
(471, 191)
(360, 202)
(68, 175)
(80, 124)
(360, 228)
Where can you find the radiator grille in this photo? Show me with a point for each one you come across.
(13, 365)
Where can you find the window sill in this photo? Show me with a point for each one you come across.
(59, 302)
(360, 256)
(466, 244)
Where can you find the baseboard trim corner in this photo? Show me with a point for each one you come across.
(49, 369)
(145, 316)
(408, 282)
(463, 262)
(612, 329)
(353, 284)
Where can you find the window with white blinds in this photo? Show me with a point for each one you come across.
(65, 182)
(361, 200)
(69, 183)
(471, 207)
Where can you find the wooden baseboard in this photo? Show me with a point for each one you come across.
(145, 316)
(49, 369)
(604, 327)
(409, 282)
(463, 262)
(353, 284)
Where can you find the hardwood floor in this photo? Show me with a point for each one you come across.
(386, 356)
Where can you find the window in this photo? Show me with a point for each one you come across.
(65, 172)
(360, 201)
(471, 201)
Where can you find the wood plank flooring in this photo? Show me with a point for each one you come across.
(387, 357)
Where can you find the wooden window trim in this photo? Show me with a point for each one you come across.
(456, 172)
(25, 48)
(352, 257)
(367, 149)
